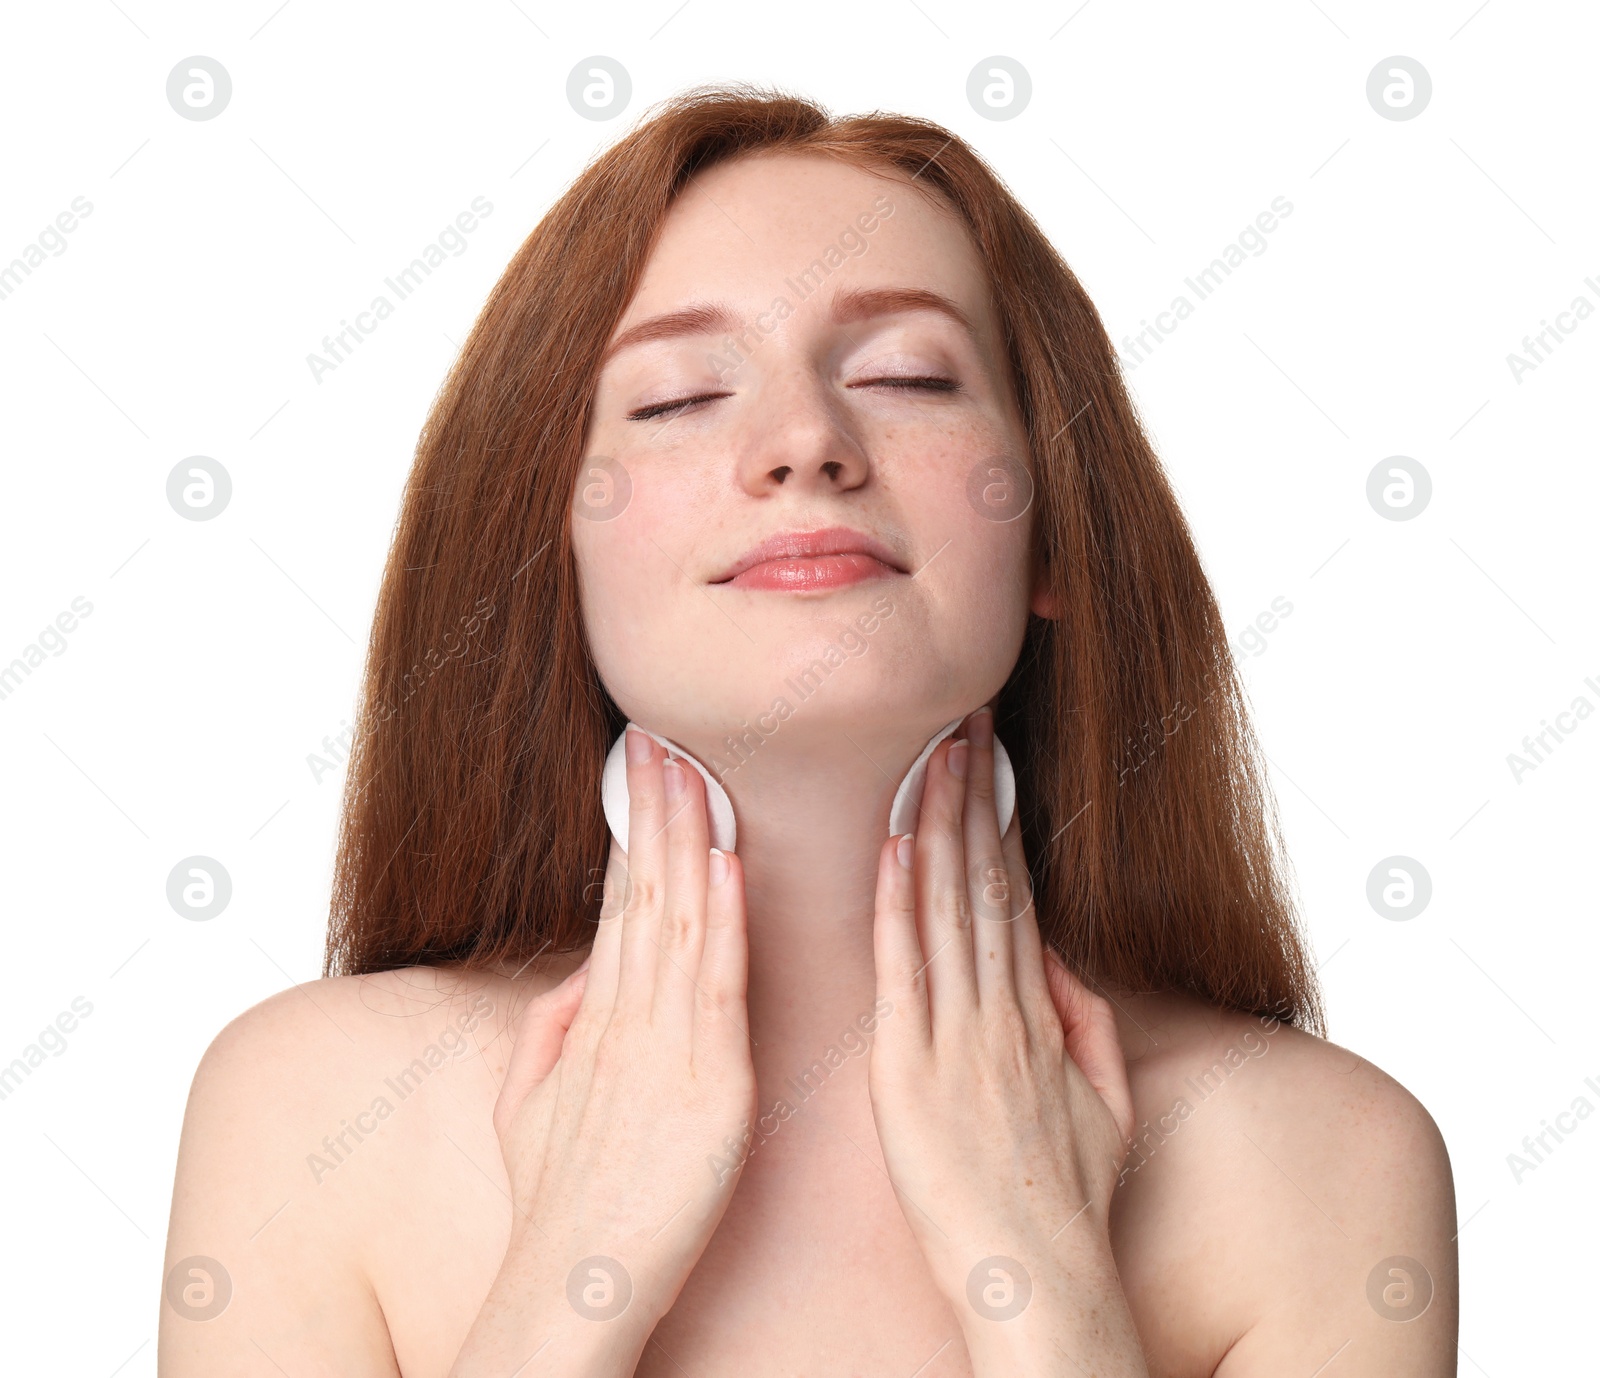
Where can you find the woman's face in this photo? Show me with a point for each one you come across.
(781, 404)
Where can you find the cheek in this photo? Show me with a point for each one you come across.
(969, 502)
(650, 629)
(985, 591)
(967, 609)
(958, 626)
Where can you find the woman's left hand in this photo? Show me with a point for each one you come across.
(998, 1086)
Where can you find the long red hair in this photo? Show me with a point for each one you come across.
(472, 831)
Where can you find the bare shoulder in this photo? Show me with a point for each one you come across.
(1315, 1188)
(283, 1163)
(329, 1026)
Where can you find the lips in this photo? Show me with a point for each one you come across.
(830, 558)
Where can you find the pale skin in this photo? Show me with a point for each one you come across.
(582, 1114)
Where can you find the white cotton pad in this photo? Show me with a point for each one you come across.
(908, 798)
(614, 792)
(724, 834)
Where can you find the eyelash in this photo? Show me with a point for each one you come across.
(662, 409)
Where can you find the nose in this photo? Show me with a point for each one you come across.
(800, 437)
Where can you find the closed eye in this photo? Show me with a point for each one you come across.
(930, 383)
(659, 409)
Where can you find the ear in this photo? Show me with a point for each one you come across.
(1043, 602)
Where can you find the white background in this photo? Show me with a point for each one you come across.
(219, 654)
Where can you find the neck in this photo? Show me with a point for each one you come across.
(813, 814)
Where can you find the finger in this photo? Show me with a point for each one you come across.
(606, 951)
(1032, 989)
(722, 1022)
(540, 1034)
(1090, 1027)
(944, 916)
(647, 865)
(683, 911)
(988, 885)
(896, 951)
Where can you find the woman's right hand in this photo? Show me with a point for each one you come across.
(631, 1085)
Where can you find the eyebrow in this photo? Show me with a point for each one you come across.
(854, 304)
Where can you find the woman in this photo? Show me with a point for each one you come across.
(794, 441)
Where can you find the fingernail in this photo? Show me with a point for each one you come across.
(674, 778)
(958, 759)
(980, 727)
(638, 746)
(718, 867)
(904, 849)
